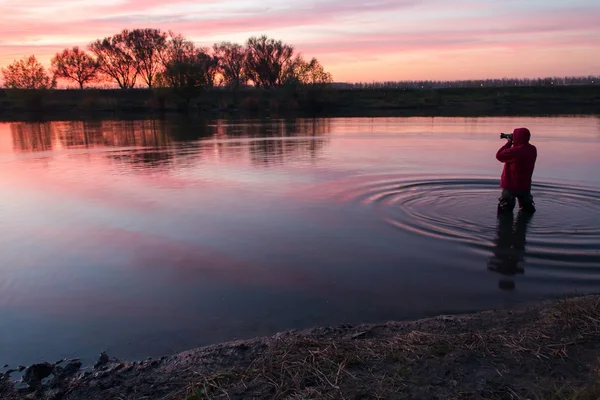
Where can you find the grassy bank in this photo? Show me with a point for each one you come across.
(22, 104)
(545, 351)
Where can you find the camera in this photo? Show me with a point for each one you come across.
(508, 136)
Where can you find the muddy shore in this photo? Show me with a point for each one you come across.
(543, 350)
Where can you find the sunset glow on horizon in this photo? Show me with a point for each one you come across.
(357, 41)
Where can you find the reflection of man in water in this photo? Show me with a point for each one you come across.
(519, 161)
(510, 247)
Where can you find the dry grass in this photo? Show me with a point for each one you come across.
(549, 351)
(495, 364)
(581, 315)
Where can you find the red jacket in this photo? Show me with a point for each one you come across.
(519, 160)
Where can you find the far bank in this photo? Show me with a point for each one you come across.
(307, 101)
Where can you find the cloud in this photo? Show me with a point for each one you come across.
(135, 13)
(579, 32)
(334, 30)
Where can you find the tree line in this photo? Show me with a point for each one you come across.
(503, 82)
(154, 58)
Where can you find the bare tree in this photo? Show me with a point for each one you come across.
(76, 65)
(179, 63)
(187, 65)
(267, 60)
(208, 66)
(27, 73)
(187, 68)
(148, 48)
(116, 59)
(177, 47)
(231, 58)
(302, 72)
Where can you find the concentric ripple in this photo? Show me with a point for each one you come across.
(564, 232)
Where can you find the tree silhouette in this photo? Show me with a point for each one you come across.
(231, 57)
(267, 60)
(187, 65)
(302, 72)
(27, 73)
(168, 59)
(208, 66)
(116, 59)
(315, 74)
(148, 48)
(177, 48)
(500, 82)
(187, 68)
(76, 65)
(180, 68)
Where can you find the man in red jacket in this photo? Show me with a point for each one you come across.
(519, 157)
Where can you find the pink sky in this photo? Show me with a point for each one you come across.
(356, 40)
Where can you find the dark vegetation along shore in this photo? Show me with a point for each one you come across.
(261, 76)
(16, 104)
(548, 350)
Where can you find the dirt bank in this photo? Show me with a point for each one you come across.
(546, 350)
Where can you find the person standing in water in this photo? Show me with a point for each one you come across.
(519, 157)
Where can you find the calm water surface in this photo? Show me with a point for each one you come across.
(145, 238)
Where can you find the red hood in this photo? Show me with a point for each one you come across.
(521, 136)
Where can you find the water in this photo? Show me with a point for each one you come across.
(144, 238)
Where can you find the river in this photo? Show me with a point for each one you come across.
(148, 237)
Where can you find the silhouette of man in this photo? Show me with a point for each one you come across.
(510, 247)
(518, 156)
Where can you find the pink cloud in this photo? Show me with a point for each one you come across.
(326, 29)
(485, 33)
(378, 45)
(116, 17)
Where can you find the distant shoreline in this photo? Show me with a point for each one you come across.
(547, 349)
(69, 104)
